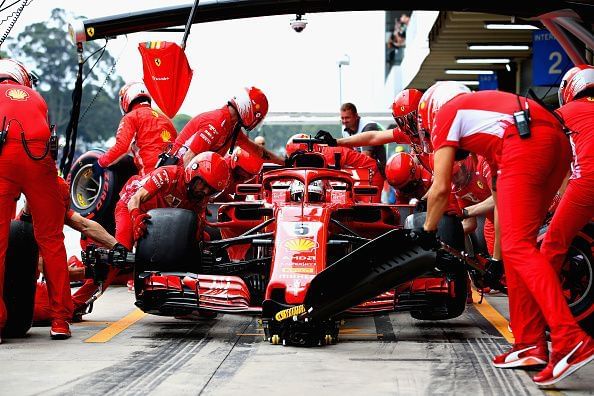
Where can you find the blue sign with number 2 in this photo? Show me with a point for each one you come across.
(549, 60)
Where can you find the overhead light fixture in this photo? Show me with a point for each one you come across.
(465, 82)
(507, 67)
(482, 61)
(499, 47)
(454, 71)
(509, 26)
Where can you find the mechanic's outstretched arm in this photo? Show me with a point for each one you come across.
(439, 193)
(265, 154)
(481, 208)
(371, 138)
(91, 229)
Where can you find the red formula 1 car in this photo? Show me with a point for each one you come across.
(297, 222)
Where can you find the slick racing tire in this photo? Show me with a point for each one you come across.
(96, 199)
(19, 279)
(169, 244)
(449, 231)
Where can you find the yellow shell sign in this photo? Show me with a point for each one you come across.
(301, 245)
(17, 94)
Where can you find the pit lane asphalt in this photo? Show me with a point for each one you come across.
(386, 355)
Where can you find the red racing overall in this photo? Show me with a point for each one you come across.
(144, 132)
(577, 203)
(482, 123)
(26, 114)
(167, 189)
(210, 131)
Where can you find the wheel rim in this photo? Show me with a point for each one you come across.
(576, 276)
(85, 189)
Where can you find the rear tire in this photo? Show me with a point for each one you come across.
(577, 282)
(169, 244)
(96, 199)
(450, 231)
(19, 279)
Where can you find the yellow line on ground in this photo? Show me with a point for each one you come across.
(116, 328)
(493, 316)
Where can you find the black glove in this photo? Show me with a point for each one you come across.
(97, 170)
(26, 217)
(494, 274)
(120, 249)
(421, 206)
(425, 239)
(327, 138)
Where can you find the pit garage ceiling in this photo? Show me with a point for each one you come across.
(449, 39)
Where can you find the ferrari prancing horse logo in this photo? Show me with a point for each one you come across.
(90, 31)
(158, 61)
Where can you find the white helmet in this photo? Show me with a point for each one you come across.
(296, 190)
(315, 191)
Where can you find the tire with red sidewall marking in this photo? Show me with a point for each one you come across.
(96, 199)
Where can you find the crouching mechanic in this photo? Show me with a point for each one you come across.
(165, 187)
(27, 167)
(484, 123)
(349, 159)
(143, 131)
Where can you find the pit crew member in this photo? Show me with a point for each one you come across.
(27, 167)
(484, 123)
(143, 131)
(165, 187)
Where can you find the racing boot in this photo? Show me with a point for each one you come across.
(564, 364)
(522, 356)
(60, 330)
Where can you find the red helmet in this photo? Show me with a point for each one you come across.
(211, 168)
(241, 158)
(251, 105)
(401, 169)
(576, 80)
(131, 92)
(404, 110)
(434, 98)
(294, 147)
(12, 70)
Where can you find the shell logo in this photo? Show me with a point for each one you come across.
(301, 245)
(422, 105)
(166, 135)
(17, 94)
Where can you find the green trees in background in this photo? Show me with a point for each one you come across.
(44, 48)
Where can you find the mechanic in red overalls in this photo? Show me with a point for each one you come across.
(27, 167)
(143, 131)
(349, 159)
(405, 173)
(484, 123)
(165, 187)
(471, 188)
(576, 208)
(219, 129)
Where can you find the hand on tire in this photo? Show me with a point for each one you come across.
(327, 138)
(138, 224)
(426, 239)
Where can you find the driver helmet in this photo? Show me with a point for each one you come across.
(296, 190)
(132, 93)
(316, 191)
(12, 71)
(251, 105)
(246, 161)
(401, 169)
